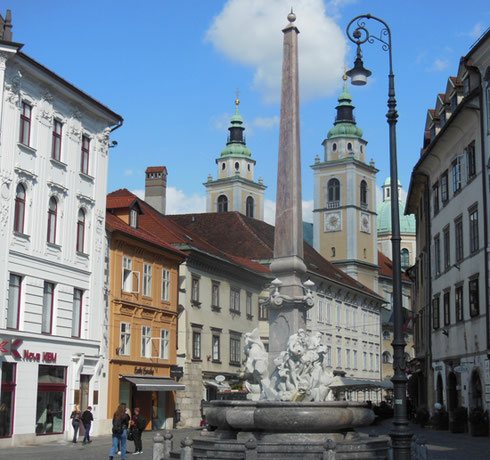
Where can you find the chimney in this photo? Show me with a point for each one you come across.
(156, 187)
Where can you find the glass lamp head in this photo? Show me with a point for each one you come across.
(358, 74)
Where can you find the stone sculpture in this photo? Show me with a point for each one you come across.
(301, 372)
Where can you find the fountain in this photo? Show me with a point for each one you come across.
(291, 412)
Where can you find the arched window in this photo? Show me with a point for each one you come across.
(363, 194)
(386, 357)
(250, 206)
(52, 217)
(333, 195)
(80, 230)
(20, 206)
(405, 257)
(222, 203)
(386, 335)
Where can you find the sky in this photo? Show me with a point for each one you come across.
(172, 69)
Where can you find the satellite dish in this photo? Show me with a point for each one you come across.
(220, 378)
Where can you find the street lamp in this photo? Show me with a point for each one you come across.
(400, 434)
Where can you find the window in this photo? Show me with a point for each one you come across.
(133, 218)
(85, 154)
(51, 391)
(57, 130)
(215, 294)
(457, 174)
(52, 218)
(147, 277)
(447, 248)
(444, 188)
(250, 207)
(333, 196)
(127, 281)
(347, 359)
(235, 349)
(354, 364)
(435, 312)
(446, 306)
(48, 301)
(25, 124)
(76, 320)
(7, 398)
(249, 305)
(458, 231)
(320, 309)
(443, 118)
(458, 302)
(364, 361)
(145, 341)
(471, 160)
(371, 362)
(437, 254)
(474, 297)
(473, 229)
(329, 313)
(339, 357)
(347, 317)
(405, 257)
(329, 356)
(435, 197)
(164, 343)
(195, 290)
(363, 193)
(454, 102)
(339, 312)
(196, 345)
(13, 311)
(80, 230)
(386, 357)
(222, 203)
(363, 321)
(165, 285)
(235, 300)
(125, 342)
(20, 206)
(349, 146)
(386, 335)
(216, 347)
(264, 312)
(466, 86)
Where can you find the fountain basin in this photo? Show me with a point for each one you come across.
(288, 417)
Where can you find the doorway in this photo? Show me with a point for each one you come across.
(452, 392)
(476, 394)
(158, 404)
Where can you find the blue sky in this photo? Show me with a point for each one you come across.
(171, 69)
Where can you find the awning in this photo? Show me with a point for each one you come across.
(154, 383)
(353, 384)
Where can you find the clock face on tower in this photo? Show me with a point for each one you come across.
(333, 222)
(365, 223)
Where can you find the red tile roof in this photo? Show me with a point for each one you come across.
(386, 267)
(246, 237)
(156, 169)
(120, 199)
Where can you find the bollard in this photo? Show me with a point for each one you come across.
(158, 446)
(390, 450)
(422, 453)
(186, 451)
(251, 449)
(329, 450)
(167, 444)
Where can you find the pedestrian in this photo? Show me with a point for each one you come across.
(126, 411)
(138, 424)
(120, 424)
(75, 416)
(87, 419)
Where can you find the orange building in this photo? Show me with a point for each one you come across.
(143, 299)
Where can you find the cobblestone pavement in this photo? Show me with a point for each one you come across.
(442, 445)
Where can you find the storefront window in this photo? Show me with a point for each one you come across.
(50, 399)
(7, 399)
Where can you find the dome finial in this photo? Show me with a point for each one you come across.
(291, 16)
(237, 100)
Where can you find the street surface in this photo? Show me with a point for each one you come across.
(442, 445)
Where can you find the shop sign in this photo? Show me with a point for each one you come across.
(176, 372)
(143, 371)
(45, 356)
(10, 346)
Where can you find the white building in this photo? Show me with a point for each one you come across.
(53, 175)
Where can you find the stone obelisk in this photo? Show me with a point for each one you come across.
(287, 307)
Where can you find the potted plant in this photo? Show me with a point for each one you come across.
(458, 419)
(440, 419)
(478, 419)
(422, 416)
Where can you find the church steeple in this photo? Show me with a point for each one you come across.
(236, 145)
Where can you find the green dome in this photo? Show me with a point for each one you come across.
(236, 150)
(345, 130)
(345, 124)
(236, 146)
(388, 182)
(407, 223)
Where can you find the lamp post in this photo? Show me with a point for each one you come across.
(400, 434)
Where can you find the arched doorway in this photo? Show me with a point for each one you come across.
(439, 390)
(452, 392)
(476, 391)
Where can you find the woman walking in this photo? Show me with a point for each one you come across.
(76, 416)
(138, 424)
(120, 423)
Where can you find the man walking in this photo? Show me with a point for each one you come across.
(87, 419)
(138, 424)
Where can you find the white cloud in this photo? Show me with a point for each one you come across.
(266, 123)
(128, 172)
(438, 65)
(178, 202)
(476, 31)
(139, 193)
(220, 122)
(270, 211)
(249, 31)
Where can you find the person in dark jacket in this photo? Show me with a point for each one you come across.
(87, 419)
(120, 424)
(137, 425)
(75, 416)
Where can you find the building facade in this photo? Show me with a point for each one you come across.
(53, 177)
(143, 315)
(448, 196)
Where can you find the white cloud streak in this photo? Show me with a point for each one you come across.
(249, 32)
(178, 202)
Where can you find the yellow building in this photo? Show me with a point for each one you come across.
(143, 299)
(235, 188)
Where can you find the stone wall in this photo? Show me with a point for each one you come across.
(189, 401)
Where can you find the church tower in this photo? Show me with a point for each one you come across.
(235, 188)
(344, 208)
